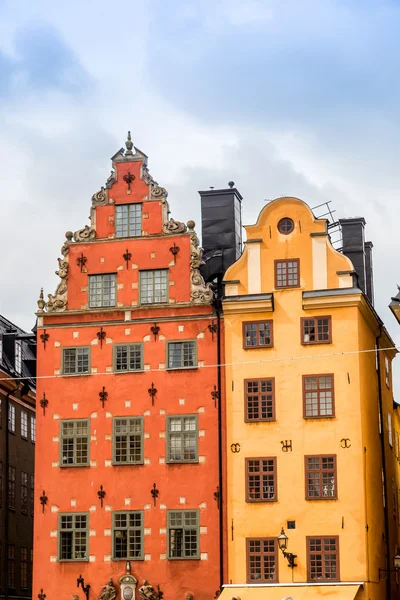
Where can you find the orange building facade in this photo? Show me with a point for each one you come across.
(127, 420)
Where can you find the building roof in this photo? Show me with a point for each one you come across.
(9, 334)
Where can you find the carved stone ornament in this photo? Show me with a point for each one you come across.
(87, 234)
(157, 192)
(147, 592)
(58, 302)
(112, 179)
(146, 177)
(172, 226)
(100, 197)
(108, 591)
(200, 292)
(128, 585)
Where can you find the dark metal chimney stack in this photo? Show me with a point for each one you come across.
(359, 252)
(369, 272)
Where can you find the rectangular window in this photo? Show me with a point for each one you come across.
(183, 534)
(24, 492)
(33, 428)
(128, 535)
(287, 273)
(75, 361)
(11, 566)
(153, 286)
(128, 220)
(32, 495)
(24, 424)
(18, 356)
(317, 330)
(24, 568)
(102, 290)
(75, 443)
(11, 418)
(11, 487)
(321, 477)
(182, 355)
(73, 537)
(387, 371)
(262, 560)
(258, 334)
(128, 441)
(318, 396)
(261, 480)
(182, 434)
(128, 357)
(259, 399)
(323, 558)
(390, 430)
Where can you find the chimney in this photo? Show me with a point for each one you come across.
(359, 252)
(369, 271)
(221, 224)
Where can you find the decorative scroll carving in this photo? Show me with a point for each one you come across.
(157, 192)
(112, 179)
(201, 293)
(172, 226)
(87, 234)
(147, 592)
(58, 302)
(100, 197)
(146, 177)
(108, 591)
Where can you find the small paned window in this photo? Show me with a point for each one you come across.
(11, 418)
(75, 443)
(318, 396)
(73, 537)
(11, 566)
(128, 441)
(183, 534)
(32, 495)
(323, 558)
(102, 290)
(153, 286)
(257, 334)
(24, 568)
(33, 428)
(390, 430)
(24, 424)
(75, 361)
(387, 371)
(24, 492)
(261, 480)
(262, 560)
(182, 355)
(12, 475)
(287, 273)
(259, 399)
(317, 330)
(128, 220)
(285, 226)
(18, 356)
(182, 434)
(128, 357)
(128, 535)
(321, 477)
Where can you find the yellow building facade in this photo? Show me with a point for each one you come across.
(309, 453)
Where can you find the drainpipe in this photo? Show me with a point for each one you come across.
(7, 503)
(385, 509)
(217, 305)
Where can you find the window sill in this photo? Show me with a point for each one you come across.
(72, 560)
(261, 501)
(182, 462)
(182, 368)
(322, 498)
(183, 557)
(318, 417)
(258, 347)
(315, 343)
(272, 420)
(74, 466)
(141, 558)
(127, 464)
(127, 371)
(75, 374)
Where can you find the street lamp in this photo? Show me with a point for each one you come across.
(396, 564)
(283, 543)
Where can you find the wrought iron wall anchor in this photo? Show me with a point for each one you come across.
(129, 178)
(215, 395)
(155, 329)
(127, 257)
(101, 335)
(43, 403)
(152, 392)
(81, 582)
(213, 328)
(43, 500)
(42, 595)
(101, 494)
(154, 492)
(217, 496)
(286, 445)
(81, 261)
(174, 251)
(235, 448)
(44, 337)
(103, 396)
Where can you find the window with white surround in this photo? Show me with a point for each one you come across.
(11, 418)
(33, 428)
(24, 424)
(18, 356)
(128, 220)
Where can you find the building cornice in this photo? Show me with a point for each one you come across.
(250, 303)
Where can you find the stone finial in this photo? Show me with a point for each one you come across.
(68, 236)
(191, 225)
(41, 303)
(129, 145)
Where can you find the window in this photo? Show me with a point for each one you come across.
(318, 396)
(128, 220)
(182, 439)
(262, 560)
(387, 371)
(18, 356)
(75, 361)
(24, 492)
(153, 286)
(11, 566)
(32, 495)
(24, 568)
(75, 443)
(24, 424)
(261, 479)
(321, 477)
(128, 535)
(11, 487)
(73, 537)
(33, 428)
(287, 273)
(285, 226)
(102, 290)
(257, 334)
(323, 558)
(317, 330)
(183, 534)
(128, 441)
(181, 355)
(128, 357)
(11, 418)
(390, 430)
(259, 399)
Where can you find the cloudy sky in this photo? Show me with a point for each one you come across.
(284, 97)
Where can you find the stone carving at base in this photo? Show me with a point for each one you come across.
(200, 292)
(147, 592)
(58, 302)
(108, 591)
(87, 234)
(172, 226)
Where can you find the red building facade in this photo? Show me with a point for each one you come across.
(127, 423)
